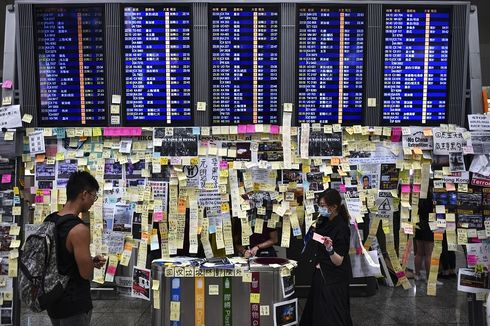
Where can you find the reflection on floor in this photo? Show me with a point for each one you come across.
(390, 306)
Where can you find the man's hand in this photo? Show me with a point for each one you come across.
(99, 261)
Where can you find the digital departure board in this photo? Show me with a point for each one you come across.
(416, 66)
(157, 65)
(330, 65)
(245, 64)
(70, 65)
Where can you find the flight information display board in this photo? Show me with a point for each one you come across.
(157, 65)
(330, 64)
(416, 65)
(69, 43)
(245, 64)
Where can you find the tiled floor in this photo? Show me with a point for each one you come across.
(390, 306)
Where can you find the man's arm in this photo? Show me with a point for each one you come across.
(79, 240)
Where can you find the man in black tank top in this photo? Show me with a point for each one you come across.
(74, 259)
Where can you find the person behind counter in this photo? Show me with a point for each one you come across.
(261, 244)
(328, 301)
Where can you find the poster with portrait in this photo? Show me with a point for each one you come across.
(286, 313)
(368, 175)
(141, 283)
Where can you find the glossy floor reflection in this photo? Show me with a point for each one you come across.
(390, 306)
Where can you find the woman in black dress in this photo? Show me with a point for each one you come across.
(328, 300)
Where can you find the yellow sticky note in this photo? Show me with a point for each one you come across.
(213, 289)
(27, 118)
(254, 297)
(8, 136)
(174, 310)
(96, 132)
(156, 285)
(247, 277)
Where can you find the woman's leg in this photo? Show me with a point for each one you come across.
(419, 254)
(429, 246)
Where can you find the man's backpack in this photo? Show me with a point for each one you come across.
(40, 283)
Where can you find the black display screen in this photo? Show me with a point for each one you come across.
(157, 65)
(416, 65)
(69, 43)
(330, 64)
(244, 64)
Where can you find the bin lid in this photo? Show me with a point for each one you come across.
(270, 260)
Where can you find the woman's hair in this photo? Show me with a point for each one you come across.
(332, 197)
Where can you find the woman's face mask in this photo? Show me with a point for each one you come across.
(323, 211)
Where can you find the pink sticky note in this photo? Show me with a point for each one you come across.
(7, 84)
(274, 129)
(6, 178)
(242, 129)
(121, 131)
(111, 270)
(157, 216)
(471, 260)
(342, 188)
(46, 192)
(405, 188)
(400, 274)
(223, 165)
(416, 188)
(250, 129)
(317, 237)
(39, 199)
(396, 134)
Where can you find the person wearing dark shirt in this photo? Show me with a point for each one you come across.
(424, 238)
(328, 301)
(261, 244)
(74, 308)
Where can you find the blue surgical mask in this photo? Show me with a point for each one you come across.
(323, 211)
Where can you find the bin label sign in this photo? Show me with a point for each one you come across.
(255, 307)
(199, 297)
(227, 320)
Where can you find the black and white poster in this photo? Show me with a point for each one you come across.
(325, 145)
(456, 162)
(416, 139)
(177, 142)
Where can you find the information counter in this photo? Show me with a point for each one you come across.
(248, 294)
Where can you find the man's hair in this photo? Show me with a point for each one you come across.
(365, 177)
(79, 182)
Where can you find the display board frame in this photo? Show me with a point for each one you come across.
(37, 70)
(210, 61)
(336, 6)
(127, 122)
(419, 6)
(373, 75)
